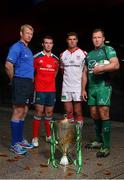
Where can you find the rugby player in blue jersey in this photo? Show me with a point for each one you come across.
(20, 70)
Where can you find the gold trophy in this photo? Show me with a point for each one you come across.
(65, 133)
(66, 136)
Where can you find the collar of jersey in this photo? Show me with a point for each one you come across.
(73, 51)
(45, 54)
(22, 43)
(101, 47)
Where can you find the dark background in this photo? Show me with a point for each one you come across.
(57, 18)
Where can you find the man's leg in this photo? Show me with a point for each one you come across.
(68, 106)
(66, 98)
(39, 109)
(103, 100)
(21, 90)
(21, 123)
(18, 111)
(98, 128)
(106, 130)
(78, 112)
(97, 122)
(48, 118)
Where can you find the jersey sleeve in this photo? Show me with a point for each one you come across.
(61, 62)
(56, 64)
(110, 52)
(86, 61)
(13, 55)
(35, 63)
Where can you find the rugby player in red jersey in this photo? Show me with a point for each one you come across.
(46, 67)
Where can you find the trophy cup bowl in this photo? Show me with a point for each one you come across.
(65, 135)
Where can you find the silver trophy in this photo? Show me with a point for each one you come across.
(65, 136)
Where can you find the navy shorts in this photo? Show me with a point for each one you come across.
(22, 91)
(45, 98)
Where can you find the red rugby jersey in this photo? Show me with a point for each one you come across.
(45, 72)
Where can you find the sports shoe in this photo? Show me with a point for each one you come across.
(18, 149)
(103, 152)
(25, 144)
(94, 145)
(35, 142)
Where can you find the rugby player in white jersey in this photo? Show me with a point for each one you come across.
(72, 63)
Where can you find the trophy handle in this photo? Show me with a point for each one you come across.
(52, 159)
(78, 161)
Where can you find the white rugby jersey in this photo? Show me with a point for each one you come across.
(72, 64)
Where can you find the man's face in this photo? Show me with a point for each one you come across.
(47, 45)
(98, 39)
(72, 41)
(26, 35)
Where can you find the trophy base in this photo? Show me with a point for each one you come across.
(64, 161)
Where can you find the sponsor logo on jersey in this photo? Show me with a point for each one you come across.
(49, 66)
(71, 61)
(26, 55)
(78, 57)
(47, 69)
(91, 65)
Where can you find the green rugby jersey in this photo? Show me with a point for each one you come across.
(94, 56)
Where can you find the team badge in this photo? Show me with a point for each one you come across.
(55, 62)
(41, 61)
(63, 97)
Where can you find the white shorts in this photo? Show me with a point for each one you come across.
(71, 96)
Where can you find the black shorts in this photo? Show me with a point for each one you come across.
(22, 91)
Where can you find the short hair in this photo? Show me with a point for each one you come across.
(72, 34)
(99, 30)
(26, 26)
(47, 37)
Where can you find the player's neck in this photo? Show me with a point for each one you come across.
(48, 53)
(72, 49)
(98, 47)
(25, 43)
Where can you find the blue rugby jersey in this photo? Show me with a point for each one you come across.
(22, 58)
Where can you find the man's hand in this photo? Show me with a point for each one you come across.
(84, 95)
(9, 69)
(98, 69)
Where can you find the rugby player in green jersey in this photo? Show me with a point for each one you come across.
(96, 78)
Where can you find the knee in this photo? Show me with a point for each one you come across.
(104, 113)
(39, 112)
(49, 113)
(94, 115)
(18, 114)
